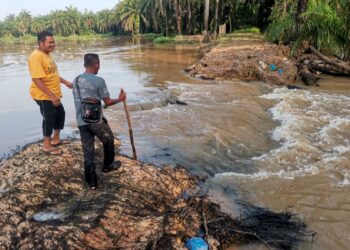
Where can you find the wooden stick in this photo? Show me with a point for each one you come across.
(205, 221)
(130, 129)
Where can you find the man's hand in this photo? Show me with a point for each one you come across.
(55, 100)
(69, 85)
(122, 95)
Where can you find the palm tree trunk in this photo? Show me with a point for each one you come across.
(301, 8)
(178, 15)
(145, 21)
(189, 16)
(230, 22)
(206, 15)
(347, 46)
(155, 20)
(216, 16)
(163, 11)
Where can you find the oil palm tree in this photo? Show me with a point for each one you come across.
(9, 25)
(150, 14)
(73, 18)
(130, 15)
(177, 7)
(88, 20)
(104, 21)
(206, 15)
(39, 24)
(23, 22)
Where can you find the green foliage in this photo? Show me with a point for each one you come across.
(151, 36)
(325, 24)
(164, 39)
(13, 39)
(238, 35)
(130, 11)
(283, 24)
(67, 22)
(168, 17)
(248, 30)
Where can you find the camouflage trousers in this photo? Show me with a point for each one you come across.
(104, 133)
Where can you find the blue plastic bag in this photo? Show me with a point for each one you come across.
(273, 67)
(196, 243)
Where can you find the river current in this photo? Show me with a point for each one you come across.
(272, 147)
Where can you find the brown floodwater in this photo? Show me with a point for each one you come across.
(275, 148)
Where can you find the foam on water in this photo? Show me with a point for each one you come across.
(342, 149)
(313, 135)
(345, 181)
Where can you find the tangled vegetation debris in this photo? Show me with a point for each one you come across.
(44, 204)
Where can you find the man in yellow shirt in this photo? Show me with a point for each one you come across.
(46, 91)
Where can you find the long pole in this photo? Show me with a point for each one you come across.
(130, 129)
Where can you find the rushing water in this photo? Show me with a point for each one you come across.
(276, 148)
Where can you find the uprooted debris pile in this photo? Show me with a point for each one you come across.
(247, 58)
(312, 63)
(44, 204)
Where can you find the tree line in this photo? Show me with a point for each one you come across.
(322, 23)
(168, 17)
(69, 21)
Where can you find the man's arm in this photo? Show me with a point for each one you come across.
(108, 101)
(67, 83)
(41, 85)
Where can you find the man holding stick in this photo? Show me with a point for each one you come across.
(93, 86)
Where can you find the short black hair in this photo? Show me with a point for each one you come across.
(90, 59)
(42, 36)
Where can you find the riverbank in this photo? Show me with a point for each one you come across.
(156, 38)
(246, 56)
(31, 38)
(46, 204)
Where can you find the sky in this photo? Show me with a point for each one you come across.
(42, 7)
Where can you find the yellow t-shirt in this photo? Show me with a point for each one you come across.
(41, 65)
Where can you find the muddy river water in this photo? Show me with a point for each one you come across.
(271, 147)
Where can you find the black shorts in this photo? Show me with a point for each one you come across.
(53, 117)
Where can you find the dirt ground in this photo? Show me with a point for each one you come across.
(247, 57)
(45, 204)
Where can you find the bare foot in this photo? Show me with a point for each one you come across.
(55, 143)
(52, 151)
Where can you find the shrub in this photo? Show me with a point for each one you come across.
(164, 39)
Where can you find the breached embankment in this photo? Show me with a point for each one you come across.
(247, 57)
(45, 204)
